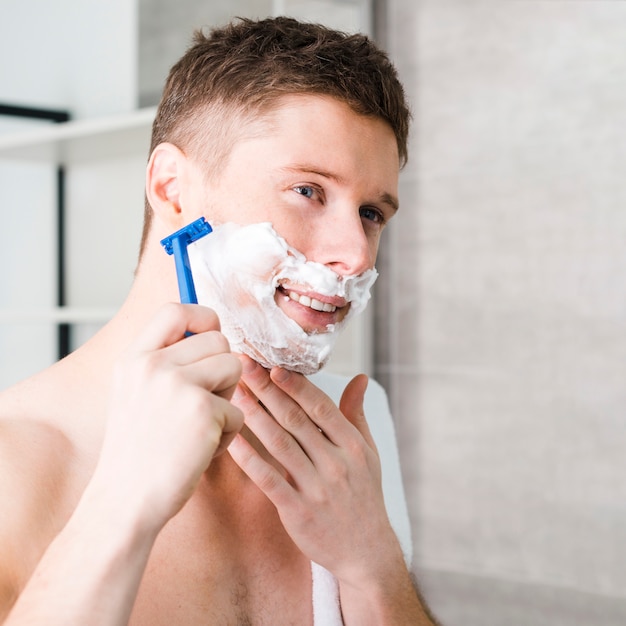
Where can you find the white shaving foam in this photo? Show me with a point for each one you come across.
(237, 270)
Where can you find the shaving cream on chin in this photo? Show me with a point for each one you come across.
(237, 270)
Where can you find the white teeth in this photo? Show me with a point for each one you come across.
(317, 305)
(313, 303)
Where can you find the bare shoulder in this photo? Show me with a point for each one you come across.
(36, 469)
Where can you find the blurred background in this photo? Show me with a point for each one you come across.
(498, 325)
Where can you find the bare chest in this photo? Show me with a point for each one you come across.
(221, 583)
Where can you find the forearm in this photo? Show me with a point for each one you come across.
(388, 597)
(90, 573)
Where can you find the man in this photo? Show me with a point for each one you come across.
(132, 490)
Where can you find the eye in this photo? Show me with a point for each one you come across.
(305, 190)
(372, 214)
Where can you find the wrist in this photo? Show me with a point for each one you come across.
(382, 593)
(115, 508)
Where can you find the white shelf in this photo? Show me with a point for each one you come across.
(58, 315)
(71, 143)
(82, 140)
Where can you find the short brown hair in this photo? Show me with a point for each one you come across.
(239, 71)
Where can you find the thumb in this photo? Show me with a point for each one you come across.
(351, 405)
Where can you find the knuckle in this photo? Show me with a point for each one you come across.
(319, 497)
(198, 401)
(203, 418)
(212, 318)
(338, 472)
(203, 316)
(227, 373)
(170, 313)
(357, 450)
(293, 418)
(137, 368)
(213, 436)
(219, 342)
(149, 365)
(324, 412)
(269, 481)
(235, 417)
(261, 382)
(281, 442)
(235, 365)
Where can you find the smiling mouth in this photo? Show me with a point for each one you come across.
(311, 303)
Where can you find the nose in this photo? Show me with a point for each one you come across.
(344, 246)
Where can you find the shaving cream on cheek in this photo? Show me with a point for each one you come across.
(237, 270)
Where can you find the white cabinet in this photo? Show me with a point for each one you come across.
(104, 162)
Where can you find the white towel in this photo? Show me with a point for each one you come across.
(326, 608)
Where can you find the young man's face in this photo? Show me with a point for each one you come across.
(326, 179)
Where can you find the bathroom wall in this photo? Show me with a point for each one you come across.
(502, 323)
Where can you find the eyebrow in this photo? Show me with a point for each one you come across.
(384, 197)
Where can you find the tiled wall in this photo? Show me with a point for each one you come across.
(502, 320)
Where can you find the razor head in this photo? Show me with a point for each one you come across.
(176, 244)
(186, 235)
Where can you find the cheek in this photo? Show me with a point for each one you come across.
(246, 291)
(296, 227)
(243, 298)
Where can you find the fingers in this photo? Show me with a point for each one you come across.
(232, 424)
(171, 323)
(285, 409)
(351, 405)
(269, 479)
(298, 424)
(204, 358)
(282, 444)
(322, 483)
(315, 407)
(196, 347)
(218, 373)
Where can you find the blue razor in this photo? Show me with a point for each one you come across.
(176, 244)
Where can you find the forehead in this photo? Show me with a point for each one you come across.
(327, 131)
(319, 113)
(213, 132)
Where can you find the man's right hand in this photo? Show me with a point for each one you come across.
(170, 411)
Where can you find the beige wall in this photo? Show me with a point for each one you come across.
(502, 321)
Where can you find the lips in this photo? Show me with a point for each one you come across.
(323, 304)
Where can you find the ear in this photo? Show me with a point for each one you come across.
(163, 183)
